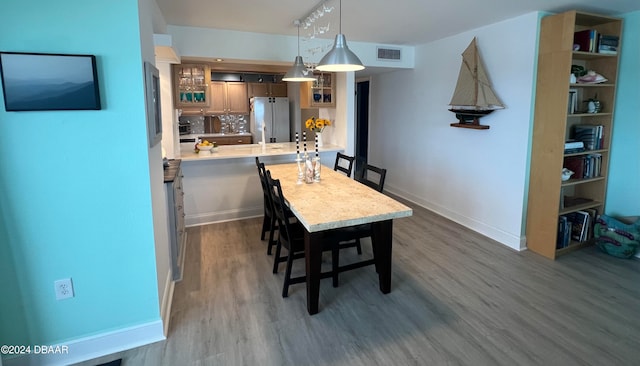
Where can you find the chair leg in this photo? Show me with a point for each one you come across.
(272, 230)
(276, 259)
(287, 274)
(335, 264)
(358, 246)
(265, 222)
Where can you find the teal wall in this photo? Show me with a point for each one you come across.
(75, 195)
(623, 193)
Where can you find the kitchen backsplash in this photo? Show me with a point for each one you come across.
(228, 123)
(231, 123)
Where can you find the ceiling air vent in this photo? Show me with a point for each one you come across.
(392, 54)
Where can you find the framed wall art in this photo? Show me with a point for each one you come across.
(152, 98)
(46, 81)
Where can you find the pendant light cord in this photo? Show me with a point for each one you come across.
(340, 19)
(298, 38)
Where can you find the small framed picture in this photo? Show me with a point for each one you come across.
(152, 98)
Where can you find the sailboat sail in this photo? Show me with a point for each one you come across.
(473, 91)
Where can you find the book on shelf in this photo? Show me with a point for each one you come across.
(579, 225)
(585, 40)
(576, 165)
(571, 146)
(574, 151)
(593, 165)
(564, 232)
(584, 166)
(608, 44)
(600, 136)
(593, 216)
(591, 135)
(572, 108)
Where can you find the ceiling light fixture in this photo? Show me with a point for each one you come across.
(340, 58)
(320, 10)
(298, 72)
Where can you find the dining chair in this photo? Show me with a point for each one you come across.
(344, 163)
(269, 220)
(349, 237)
(373, 177)
(291, 237)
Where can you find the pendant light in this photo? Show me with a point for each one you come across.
(298, 72)
(340, 58)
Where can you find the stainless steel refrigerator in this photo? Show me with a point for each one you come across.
(273, 113)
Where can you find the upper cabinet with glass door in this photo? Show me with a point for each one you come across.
(191, 83)
(323, 90)
(319, 93)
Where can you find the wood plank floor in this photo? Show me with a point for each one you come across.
(457, 298)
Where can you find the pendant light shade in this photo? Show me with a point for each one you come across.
(298, 72)
(340, 58)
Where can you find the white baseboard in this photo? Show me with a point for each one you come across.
(222, 216)
(514, 242)
(167, 301)
(95, 346)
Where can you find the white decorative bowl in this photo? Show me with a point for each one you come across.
(205, 147)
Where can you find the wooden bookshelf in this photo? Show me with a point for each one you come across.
(553, 125)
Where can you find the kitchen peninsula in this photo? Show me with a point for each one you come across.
(223, 185)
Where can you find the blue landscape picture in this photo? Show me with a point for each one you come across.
(36, 82)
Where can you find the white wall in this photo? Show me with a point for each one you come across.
(156, 170)
(342, 133)
(212, 43)
(474, 177)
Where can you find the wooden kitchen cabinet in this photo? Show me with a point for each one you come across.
(229, 97)
(191, 86)
(267, 90)
(320, 93)
(177, 232)
(229, 140)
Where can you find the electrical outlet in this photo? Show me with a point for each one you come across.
(64, 288)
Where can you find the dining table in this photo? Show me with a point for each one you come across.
(336, 202)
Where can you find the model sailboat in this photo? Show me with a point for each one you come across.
(473, 97)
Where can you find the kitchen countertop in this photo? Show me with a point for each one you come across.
(205, 135)
(171, 171)
(249, 150)
(223, 134)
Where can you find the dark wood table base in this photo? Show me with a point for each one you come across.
(381, 240)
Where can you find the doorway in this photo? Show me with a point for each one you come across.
(362, 125)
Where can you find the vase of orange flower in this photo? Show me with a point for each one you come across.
(317, 125)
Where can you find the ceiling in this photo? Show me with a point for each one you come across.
(394, 22)
(400, 22)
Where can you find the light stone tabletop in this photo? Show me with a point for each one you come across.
(336, 201)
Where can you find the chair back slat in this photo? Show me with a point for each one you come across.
(373, 176)
(344, 163)
(279, 209)
(268, 204)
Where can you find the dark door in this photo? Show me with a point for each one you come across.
(362, 125)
